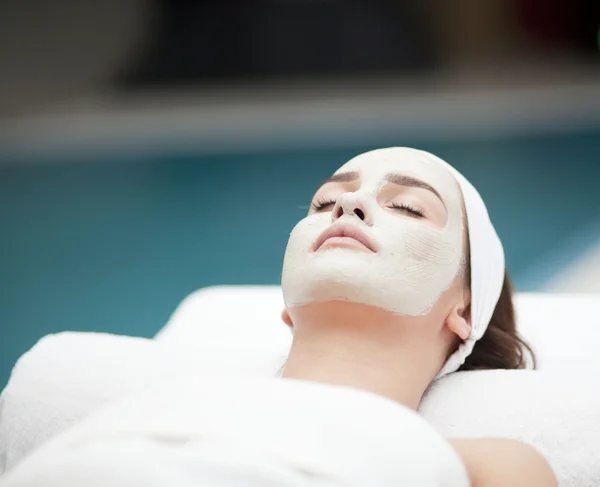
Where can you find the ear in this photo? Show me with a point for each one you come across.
(459, 321)
(285, 316)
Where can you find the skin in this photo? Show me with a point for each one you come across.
(357, 345)
(415, 231)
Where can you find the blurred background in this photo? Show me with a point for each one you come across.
(152, 147)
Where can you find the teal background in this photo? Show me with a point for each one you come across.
(113, 242)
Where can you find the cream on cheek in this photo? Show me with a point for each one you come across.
(416, 262)
(433, 246)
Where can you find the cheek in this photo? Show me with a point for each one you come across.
(422, 249)
(307, 230)
(434, 246)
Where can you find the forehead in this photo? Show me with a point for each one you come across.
(375, 165)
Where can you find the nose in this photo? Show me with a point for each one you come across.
(351, 204)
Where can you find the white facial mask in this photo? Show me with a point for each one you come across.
(416, 260)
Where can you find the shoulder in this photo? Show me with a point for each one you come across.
(493, 462)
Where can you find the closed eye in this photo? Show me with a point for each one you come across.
(323, 204)
(408, 209)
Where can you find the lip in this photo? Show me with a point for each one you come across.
(343, 234)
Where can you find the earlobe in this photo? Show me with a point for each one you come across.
(285, 316)
(459, 321)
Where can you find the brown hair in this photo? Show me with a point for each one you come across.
(501, 347)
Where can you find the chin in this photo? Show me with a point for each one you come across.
(331, 273)
(355, 282)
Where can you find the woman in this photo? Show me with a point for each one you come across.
(389, 282)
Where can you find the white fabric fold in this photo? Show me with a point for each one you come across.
(263, 432)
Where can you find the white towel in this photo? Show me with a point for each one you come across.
(259, 428)
(557, 413)
(62, 379)
(67, 376)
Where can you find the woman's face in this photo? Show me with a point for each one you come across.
(385, 230)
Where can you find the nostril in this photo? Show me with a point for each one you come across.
(359, 213)
(339, 212)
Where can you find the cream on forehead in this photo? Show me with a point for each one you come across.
(375, 165)
(416, 262)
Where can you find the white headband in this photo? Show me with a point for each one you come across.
(487, 268)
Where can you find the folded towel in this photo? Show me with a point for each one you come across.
(558, 413)
(62, 379)
(67, 376)
(207, 316)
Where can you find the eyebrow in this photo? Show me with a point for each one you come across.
(342, 177)
(394, 178)
(403, 180)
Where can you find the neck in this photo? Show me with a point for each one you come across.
(358, 346)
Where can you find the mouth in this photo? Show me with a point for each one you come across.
(345, 235)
